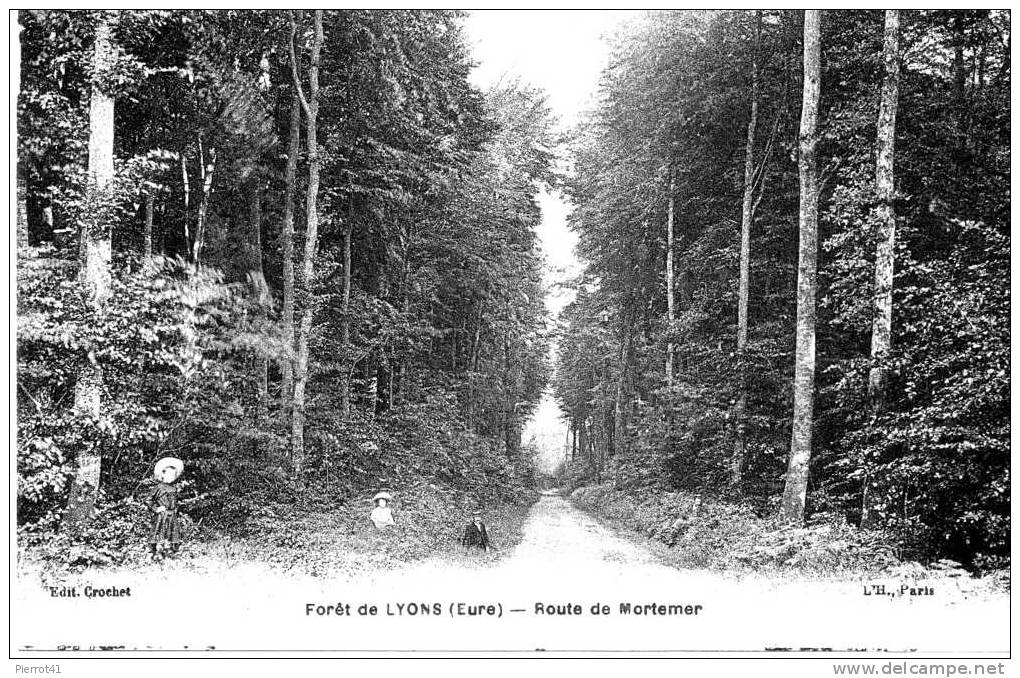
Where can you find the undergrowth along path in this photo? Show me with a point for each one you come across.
(544, 590)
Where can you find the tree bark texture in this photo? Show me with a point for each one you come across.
(208, 168)
(618, 439)
(186, 195)
(259, 290)
(287, 253)
(960, 80)
(94, 271)
(795, 493)
(881, 328)
(345, 322)
(311, 109)
(147, 239)
(746, 217)
(670, 277)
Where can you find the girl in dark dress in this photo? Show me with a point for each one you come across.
(166, 526)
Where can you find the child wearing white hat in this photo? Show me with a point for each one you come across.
(382, 515)
(166, 527)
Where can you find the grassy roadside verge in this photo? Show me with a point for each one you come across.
(319, 542)
(343, 542)
(729, 537)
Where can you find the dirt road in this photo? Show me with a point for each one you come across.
(572, 584)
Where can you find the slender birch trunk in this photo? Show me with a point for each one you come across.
(94, 273)
(310, 106)
(746, 218)
(795, 493)
(186, 197)
(881, 328)
(208, 168)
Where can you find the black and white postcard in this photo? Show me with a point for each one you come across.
(429, 332)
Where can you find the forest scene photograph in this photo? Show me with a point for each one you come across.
(700, 315)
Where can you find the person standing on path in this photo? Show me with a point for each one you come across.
(475, 534)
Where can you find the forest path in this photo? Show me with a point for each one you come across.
(562, 546)
(542, 594)
(557, 534)
(568, 558)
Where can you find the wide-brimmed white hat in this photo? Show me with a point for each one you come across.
(168, 463)
(383, 495)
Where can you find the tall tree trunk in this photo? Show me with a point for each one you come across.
(509, 390)
(476, 344)
(259, 289)
(147, 240)
(310, 106)
(208, 168)
(961, 109)
(94, 272)
(959, 79)
(371, 381)
(1004, 67)
(617, 435)
(48, 220)
(186, 196)
(472, 367)
(581, 436)
(670, 278)
(979, 72)
(608, 426)
(345, 320)
(884, 267)
(384, 377)
(746, 217)
(391, 373)
(405, 299)
(287, 247)
(795, 493)
(881, 328)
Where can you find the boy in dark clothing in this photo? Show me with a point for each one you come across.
(475, 534)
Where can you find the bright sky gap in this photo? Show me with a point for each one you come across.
(564, 55)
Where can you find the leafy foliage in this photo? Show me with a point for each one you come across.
(730, 536)
(442, 347)
(676, 98)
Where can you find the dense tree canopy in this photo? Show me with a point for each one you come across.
(312, 269)
(427, 339)
(675, 103)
